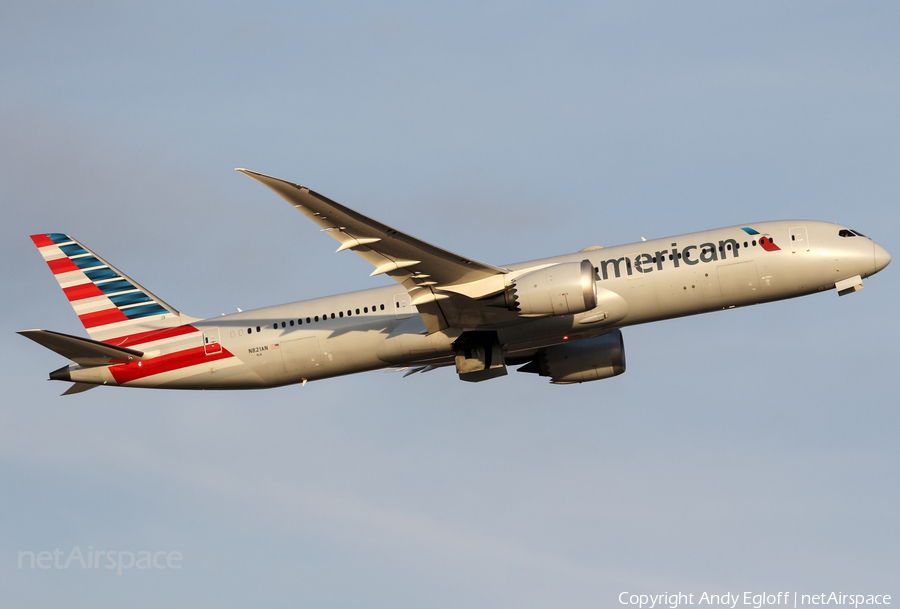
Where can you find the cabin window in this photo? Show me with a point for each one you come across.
(307, 319)
(340, 313)
(357, 311)
(283, 325)
(332, 316)
(292, 322)
(365, 309)
(257, 329)
(317, 318)
(249, 330)
(754, 243)
(382, 307)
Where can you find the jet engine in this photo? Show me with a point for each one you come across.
(560, 289)
(591, 359)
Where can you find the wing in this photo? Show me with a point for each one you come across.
(432, 276)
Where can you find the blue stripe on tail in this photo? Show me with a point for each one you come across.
(144, 311)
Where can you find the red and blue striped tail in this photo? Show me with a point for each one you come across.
(109, 304)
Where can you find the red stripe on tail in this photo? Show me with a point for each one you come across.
(150, 336)
(79, 292)
(42, 240)
(61, 265)
(125, 373)
(101, 318)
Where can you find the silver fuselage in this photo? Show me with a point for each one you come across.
(638, 283)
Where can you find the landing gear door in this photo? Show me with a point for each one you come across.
(211, 345)
(402, 306)
(799, 239)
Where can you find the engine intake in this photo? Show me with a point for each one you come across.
(592, 359)
(560, 289)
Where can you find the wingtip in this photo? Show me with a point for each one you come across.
(270, 181)
(253, 174)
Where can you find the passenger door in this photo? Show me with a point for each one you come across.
(402, 306)
(211, 345)
(799, 239)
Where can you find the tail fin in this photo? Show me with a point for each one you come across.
(108, 303)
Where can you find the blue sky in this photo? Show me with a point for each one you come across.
(748, 450)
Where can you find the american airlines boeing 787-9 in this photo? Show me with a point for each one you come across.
(557, 317)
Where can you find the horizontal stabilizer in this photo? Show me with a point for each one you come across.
(83, 351)
(78, 388)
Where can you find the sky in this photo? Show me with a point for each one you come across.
(749, 450)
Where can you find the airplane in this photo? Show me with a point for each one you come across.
(559, 317)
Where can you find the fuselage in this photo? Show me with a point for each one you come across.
(378, 328)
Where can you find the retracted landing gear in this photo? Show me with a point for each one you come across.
(479, 356)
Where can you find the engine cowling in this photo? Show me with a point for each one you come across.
(592, 359)
(560, 289)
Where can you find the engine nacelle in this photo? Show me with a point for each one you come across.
(560, 289)
(591, 359)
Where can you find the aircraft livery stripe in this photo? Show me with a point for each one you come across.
(101, 318)
(101, 274)
(150, 336)
(73, 249)
(61, 265)
(87, 262)
(144, 311)
(111, 287)
(41, 240)
(130, 298)
(124, 373)
(82, 291)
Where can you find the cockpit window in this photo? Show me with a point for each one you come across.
(844, 232)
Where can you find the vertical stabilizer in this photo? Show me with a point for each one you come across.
(109, 304)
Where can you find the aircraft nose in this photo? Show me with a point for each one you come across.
(882, 258)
